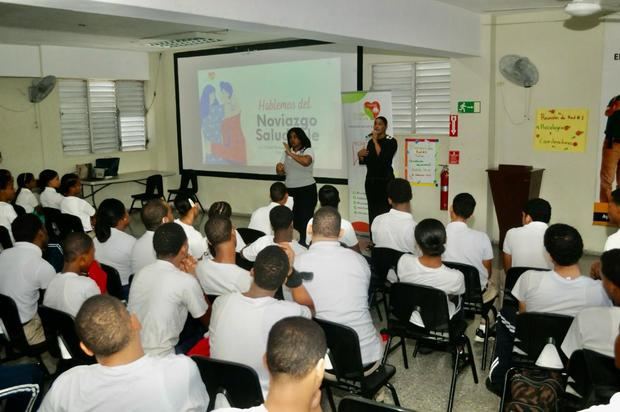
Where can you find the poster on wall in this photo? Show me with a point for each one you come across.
(360, 109)
(421, 161)
(561, 130)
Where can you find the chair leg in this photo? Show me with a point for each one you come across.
(131, 207)
(485, 345)
(378, 307)
(455, 372)
(386, 350)
(472, 362)
(404, 348)
(330, 398)
(394, 394)
(199, 204)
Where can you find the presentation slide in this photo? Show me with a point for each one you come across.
(234, 118)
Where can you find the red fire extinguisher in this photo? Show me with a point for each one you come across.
(444, 183)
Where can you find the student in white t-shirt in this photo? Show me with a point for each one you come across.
(299, 372)
(71, 187)
(7, 194)
(69, 289)
(329, 196)
(339, 287)
(281, 218)
(155, 213)
(613, 240)
(260, 217)
(240, 322)
(427, 270)
(561, 291)
(188, 211)
(124, 378)
(164, 293)
(113, 247)
(395, 228)
(49, 182)
(24, 196)
(220, 275)
(523, 246)
(221, 208)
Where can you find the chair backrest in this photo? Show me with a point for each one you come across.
(358, 404)
(58, 324)
(19, 390)
(19, 210)
(382, 260)
(52, 217)
(114, 284)
(154, 185)
(189, 181)
(472, 300)
(533, 329)
(344, 350)
(513, 274)
(239, 381)
(68, 223)
(249, 235)
(12, 324)
(5, 238)
(431, 303)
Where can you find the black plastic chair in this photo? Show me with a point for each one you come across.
(382, 260)
(5, 238)
(52, 216)
(439, 332)
(188, 187)
(17, 346)
(238, 382)
(68, 223)
(356, 404)
(532, 333)
(473, 304)
(249, 235)
(514, 273)
(19, 210)
(54, 255)
(31, 389)
(114, 284)
(346, 358)
(154, 190)
(595, 376)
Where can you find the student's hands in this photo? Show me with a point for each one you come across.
(286, 247)
(595, 270)
(188, 265)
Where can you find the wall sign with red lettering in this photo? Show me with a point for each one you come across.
(454, 125)
(454, 157)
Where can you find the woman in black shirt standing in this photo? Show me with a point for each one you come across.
(377, 156)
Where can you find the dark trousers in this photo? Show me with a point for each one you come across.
(376, 195)
(303, 208)
(505, 336)
(192, 332)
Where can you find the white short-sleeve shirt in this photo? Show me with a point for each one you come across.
(339, 290)
(222, 278)
(78, 207)
(613, 406)
(68, 291)
(612, 242)
(24, 272)
(252, 250)
(394, 230)
(296, 174)
(450, 281)
(468, 246)
(546, 291)
(51, 198)
(595, 329)
(161, 296)
(349, 237)
(7, 216)
(143, 252)
(169, 384)
(260, 219)
(117, 252)
(197, 242)
(27, 200)
(260, 408)
(240, 325)
(526, 246)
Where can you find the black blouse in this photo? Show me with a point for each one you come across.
(380, 166)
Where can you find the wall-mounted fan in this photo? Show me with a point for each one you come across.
(518, 70)
(40, 88)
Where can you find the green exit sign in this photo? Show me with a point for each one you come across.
(468, 107)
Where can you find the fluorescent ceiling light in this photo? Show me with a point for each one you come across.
(580, 8)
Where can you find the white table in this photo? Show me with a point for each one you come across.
(97, 185)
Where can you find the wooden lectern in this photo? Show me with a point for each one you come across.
(512, 186)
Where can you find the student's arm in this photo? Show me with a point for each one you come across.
(595, 270)
(522, 308)
(488, 265)
(356, 248)
(206, 318)
(301, 296)
(507, 261)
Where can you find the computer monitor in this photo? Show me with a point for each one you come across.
(110, 164)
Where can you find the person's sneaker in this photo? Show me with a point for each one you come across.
(480, 334)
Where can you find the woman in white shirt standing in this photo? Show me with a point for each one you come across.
(71, 186)
(188, 210)
(24, 196)
(297, 164)
(113, 247)
(49, 182)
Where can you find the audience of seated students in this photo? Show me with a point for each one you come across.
(113, 247)
(427, 270)
(188, 210)
(219, 274)
(329, 196)
(562, 291)
(163, 293)
(523, 246)
(49, 183)
(24, 196)
(155, 213)
(260, 217)
(240, 323)
(223, 209)
(7, 194)
(596, 328)
(339, 287)
(71, 187)
(394, 229)
(281, 219)
(124, 378)
(69, 289)
(25, 272)
(295, 358)
(471, 247)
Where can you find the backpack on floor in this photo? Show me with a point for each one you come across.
(535, 391)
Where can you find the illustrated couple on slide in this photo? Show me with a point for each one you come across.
(222, 137)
